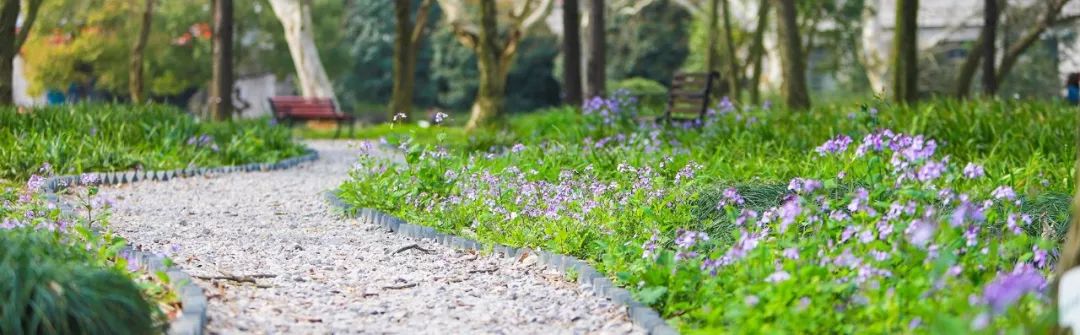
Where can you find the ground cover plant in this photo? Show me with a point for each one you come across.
(64, 274)
(109, 137)
(940, 218)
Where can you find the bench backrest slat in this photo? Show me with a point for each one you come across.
(690, 94)
(303, 107)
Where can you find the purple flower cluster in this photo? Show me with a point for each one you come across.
(620, 106)
(203, 141)
(835, 145)
(1007, 288)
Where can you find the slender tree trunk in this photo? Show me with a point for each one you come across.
(9, 14)
(733, 64)
(757, 51)
(971, 64)
(401, 94)
(597, 74)
(222, 72)
(793, 63)
(295, 17)
(571, 52)
(713, 23)
(905, 52)
(489, 96)
(135, 71)
(990, 22)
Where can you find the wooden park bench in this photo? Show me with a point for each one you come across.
(689, 97)
(289, 109)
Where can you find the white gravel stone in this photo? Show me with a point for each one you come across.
(326, 274)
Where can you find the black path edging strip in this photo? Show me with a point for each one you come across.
(640, 314)
(192, 319)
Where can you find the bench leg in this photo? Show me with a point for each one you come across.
(337, 130)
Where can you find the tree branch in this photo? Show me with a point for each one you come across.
(420, 23)
(1012, 54)
(28, 23)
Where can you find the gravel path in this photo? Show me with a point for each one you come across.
(326, 274)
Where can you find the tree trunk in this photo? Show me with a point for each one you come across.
(295, 17)
(9, 14)
(729, 42)
(401, 94)
(406, 46)
(971, 63)
(221, 73)
(597, 74)
(135, 79)
(571, 53)
(1070, 250)
(713, 22)
(905, 52)
(489, 96)
(793, 63)
(990, 23)
(757, 51)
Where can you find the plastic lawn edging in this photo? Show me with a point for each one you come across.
(640, 314)
(192, 319)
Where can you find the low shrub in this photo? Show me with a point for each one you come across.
(93, 137)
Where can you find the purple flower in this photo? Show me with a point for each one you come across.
(802, 186)
(1011, 224)
(1040, 258)
(973, 171)
(835, 145)
(788, 211)
(440, 116)
(930, 171)
(966, 211)
(1006, 289)
(517, 148)
(778, 276)
(88, 179)
(1003, 192)
(920, 232)
(751, 300)
(791, 253)
(731, 196)
(688, 238)
(35, 182)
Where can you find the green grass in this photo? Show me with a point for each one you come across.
(93, 137)
(621, 195)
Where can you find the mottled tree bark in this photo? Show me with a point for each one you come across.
(489, 96)
(135, 70)
(494, 57)
(793, 63)
(596, 80)
(221, 82)
(905, 52)
(571, 53)
(295, 17)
